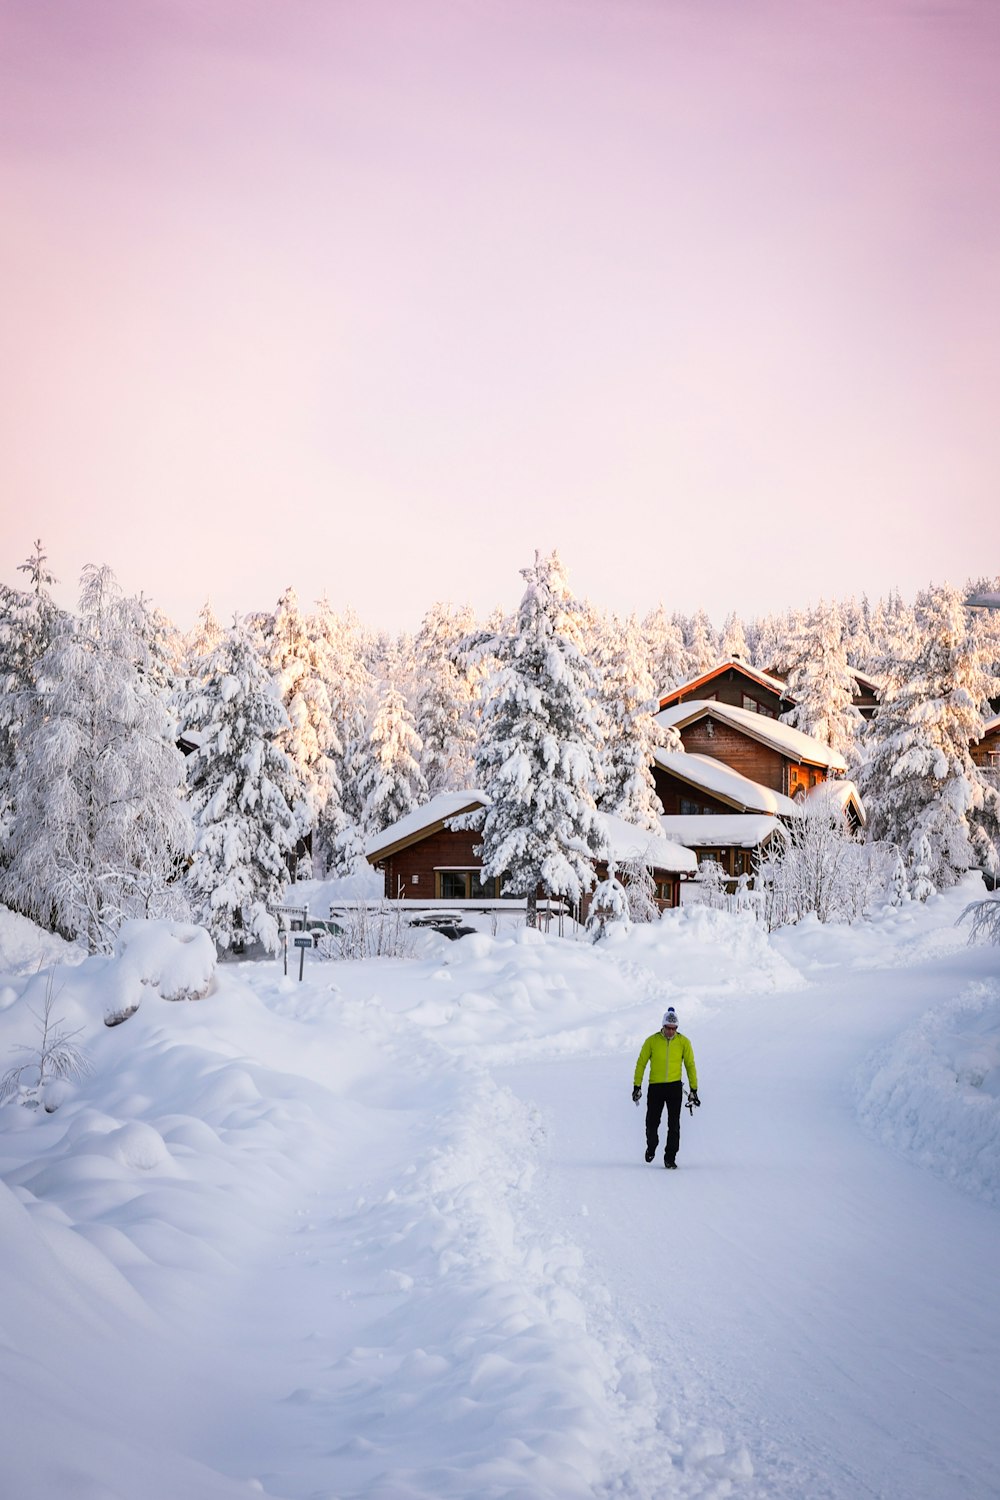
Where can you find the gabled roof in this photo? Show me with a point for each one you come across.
(789, 742)
(422, 822)
(722, 830)
(624, 841)
(991, 725)
(722, 782)
(763, 679)
(840, 795)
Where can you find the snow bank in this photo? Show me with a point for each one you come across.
(934, 1093)
(25, 947)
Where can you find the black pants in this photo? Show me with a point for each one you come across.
(658, 1095)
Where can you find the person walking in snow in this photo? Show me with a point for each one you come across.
(665, 1051)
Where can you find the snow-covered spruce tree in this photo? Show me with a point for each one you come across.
(447, 701)
(295, 661)
(99, 826)
(392, 784)
(733, 646)
(28, 622)
(918, 777)
(822, 683)
(242, 788)
(631, 733)
(537, 758)
(922, 885)
(702, 644)
(666, 655)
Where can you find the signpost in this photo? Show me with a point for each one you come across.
(302, 941)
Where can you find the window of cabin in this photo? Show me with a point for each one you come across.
(689, 808)
(754, 706)
(465, 885)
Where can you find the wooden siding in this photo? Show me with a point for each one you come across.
(739, 751)
(723, 742)
(447, 847)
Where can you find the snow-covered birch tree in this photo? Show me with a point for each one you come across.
(99, 825)
(538, 756)
(242, 789)
(28, 622)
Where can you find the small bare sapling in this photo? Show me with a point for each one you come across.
(52, 1062)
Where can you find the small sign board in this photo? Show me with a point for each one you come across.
(302, 942)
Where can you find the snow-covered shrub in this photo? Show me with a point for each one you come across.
(640, 887)
(821, 868)
(609, 907)
(174, 959)
(53, 1060)
(370, 930)
(922, 886)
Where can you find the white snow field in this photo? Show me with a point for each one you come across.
(388, 1232)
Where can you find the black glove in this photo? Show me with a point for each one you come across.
(693, 1098)
(636, 1094)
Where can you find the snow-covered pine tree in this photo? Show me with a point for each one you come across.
(922, 885)
(200, 642)
(242, 788)
(393, 783)
(447, 702)
(918, 777)
(822, 683)
(538, 758)
(631, 733)
(666, 655)
(702, 644)
(734, 645)
(29, 619)
(296, 662)
(99, 825)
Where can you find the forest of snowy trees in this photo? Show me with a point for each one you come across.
(144, 771)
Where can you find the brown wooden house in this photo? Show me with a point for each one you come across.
(738, 684)
(771, 754)
(425, 859)
(986, 752)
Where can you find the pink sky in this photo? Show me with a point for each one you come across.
(374, 299)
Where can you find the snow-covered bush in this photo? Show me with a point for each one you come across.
(174, 959)
(370, 930)
(821, 868)
(609, 907)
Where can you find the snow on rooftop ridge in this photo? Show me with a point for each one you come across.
(776, 684)
(782, 737)
(445, 805)
(837, 795)
(716, 777)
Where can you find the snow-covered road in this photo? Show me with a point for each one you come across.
(822, 1303)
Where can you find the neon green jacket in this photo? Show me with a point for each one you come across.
(665, 1060)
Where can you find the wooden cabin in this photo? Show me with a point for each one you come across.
(986, 752)
(425, 858)
(772, 755)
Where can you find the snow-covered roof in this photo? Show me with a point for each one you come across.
(436, 812)
(765, 679)
(839, 795)
(720, 831)
(781, 737)
(720, 780)
(991, 726)
(626, 842)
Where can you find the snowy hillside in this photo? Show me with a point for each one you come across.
(388, 1233)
